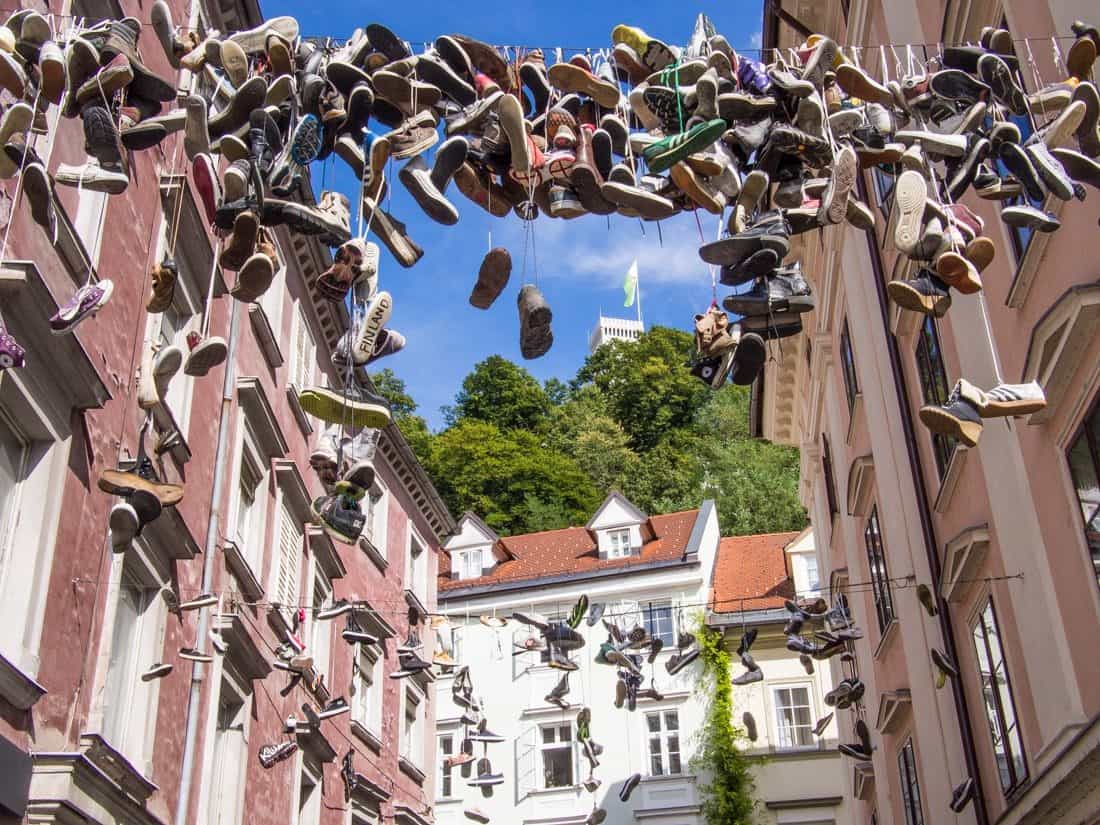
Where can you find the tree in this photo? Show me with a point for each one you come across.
(500, 393)
(647, 386)
(583, 429)
(556, 390)
(403, 407)
(509, 478)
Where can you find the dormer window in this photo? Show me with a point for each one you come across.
(468, 564)
(618, 543)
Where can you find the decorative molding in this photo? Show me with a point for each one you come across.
(412, 477)
(853, 415)
(372, 621)
(116, 767)
(261, 417)
(861, 485)
(369, 738)
(838, 581)
(300, 415)
(887, 636)
(413, 601)
(312, 741)
(374, 554)
(893, 707)
(1029, 266)
(290, 481)
(363, 790)
(60, 359)
(416, 775)
(243, 650)
(963, 555)
(242, 571)
(265, 335)
(165, 422)
(325, 552)
(863, 781)
(17, 687)
(1058, 341)
(69, 787)
(171, 533)
(950, 481)
(405, 813)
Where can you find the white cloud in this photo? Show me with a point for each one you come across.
(755, 39)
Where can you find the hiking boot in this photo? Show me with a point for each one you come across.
(924, 293)
(958, 417)
(535, 316)
(241, 244)
(164, 286)
(786, 291)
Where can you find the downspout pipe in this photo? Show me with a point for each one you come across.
(198, 672)
(924, 510)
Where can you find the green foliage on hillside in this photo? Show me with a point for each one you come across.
(529, 457)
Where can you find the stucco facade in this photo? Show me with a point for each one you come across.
(82, 737)
(996, 532)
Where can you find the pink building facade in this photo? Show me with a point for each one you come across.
(996, 532)
(82, 737)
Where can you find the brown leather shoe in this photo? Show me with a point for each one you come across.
(491, 278)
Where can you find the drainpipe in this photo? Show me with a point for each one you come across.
(198, 671)
(925, 512)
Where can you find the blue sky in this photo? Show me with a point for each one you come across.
(581, 263)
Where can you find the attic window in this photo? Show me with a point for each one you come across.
(468, 564)
(618, 543)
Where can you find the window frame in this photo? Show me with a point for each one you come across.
(650, 621)
(830, 479)
(366, 706)
(216, 803)
(376, 528)
(412, 739)
(616, 549)
(301, 363)
(778, 728)
(248, 453)
(1015, 765)
(930, 371)
(879, 573)
(465, 558)
(1084, 434)
(910, 783)
(416, 564)
(446, 772)
(557, 745)
(848, 366)
(662, 735)
(320, 632)
(288, 602)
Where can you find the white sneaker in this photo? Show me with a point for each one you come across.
(91, 176)
(378, 315)
(124, 524)
(1012, 399)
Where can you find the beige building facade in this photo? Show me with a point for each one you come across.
(1003, 534)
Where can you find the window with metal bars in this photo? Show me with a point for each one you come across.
(1000, 709)
(934, 387)
(880, 579)
(910, 785)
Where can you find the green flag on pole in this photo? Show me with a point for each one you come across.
(630, 284)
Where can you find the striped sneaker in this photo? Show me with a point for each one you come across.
(1013, 399)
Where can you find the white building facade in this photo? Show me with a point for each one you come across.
(653, 571)
(614, 329)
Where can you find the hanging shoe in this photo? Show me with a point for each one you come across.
(12, 355)
(86, 301)
(356, 406)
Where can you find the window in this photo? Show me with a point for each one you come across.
(1000, 709)
(556, 744)
(366, 707)
(446, 749)
(364, 813)
(310, 792)
(412, 728)
(813, 581)
(910, 786)
(1019, 235)
(1084, 469)
(13, 457)
(880, 579)
(827, 469)
(884, 189)
(793, 717)
(376, 512)
(659, 623)
(663, 729)
(230, 755)
(290, 552)
(136, 644)
(91, 211)
(417, 578)
(249, 521)
(618, 543)
(848, 366)
(934, 388)
(468, 564)
(303, 354)
(320, 631)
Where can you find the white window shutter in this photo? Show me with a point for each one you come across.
(290, 548)
(527, 764)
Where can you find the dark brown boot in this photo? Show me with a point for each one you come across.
(491, 278)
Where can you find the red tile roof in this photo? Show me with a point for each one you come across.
(573, 550)
(751, 573)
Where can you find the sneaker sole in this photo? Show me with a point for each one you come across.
(840, 185)
(911, 195)
(378, 314)
(907, 297)
(119, 483)
(942, 422)
(330, 406)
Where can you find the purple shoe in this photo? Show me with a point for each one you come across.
(87, 300)
(752, 75)
(11, 354)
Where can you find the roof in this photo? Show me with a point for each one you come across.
(573, 550)
(750, 573)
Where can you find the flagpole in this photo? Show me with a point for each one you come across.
(638, 299)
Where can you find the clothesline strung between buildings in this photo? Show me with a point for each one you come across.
(402, 607)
